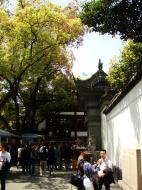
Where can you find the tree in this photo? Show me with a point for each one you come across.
(127, 65)
(52, 97)
(64, 94)
(121, 17)
(34, 45)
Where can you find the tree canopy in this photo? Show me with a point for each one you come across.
(123, 17)
(33, 49)
(124, 67)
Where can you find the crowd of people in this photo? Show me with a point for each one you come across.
(52, 156)
(49, 156)
(45, 155)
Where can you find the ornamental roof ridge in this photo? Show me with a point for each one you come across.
(99, 74)
(97, 80)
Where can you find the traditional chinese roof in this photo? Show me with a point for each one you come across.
(96, 80)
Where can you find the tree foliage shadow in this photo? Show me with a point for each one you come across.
(59, 182)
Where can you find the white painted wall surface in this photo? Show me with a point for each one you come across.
(122, 127)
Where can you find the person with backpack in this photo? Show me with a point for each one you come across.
(88, 173)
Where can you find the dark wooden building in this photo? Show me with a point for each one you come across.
(65, 127)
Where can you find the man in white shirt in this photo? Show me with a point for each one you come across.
(5, 159)
(105, 171)
(43, 155)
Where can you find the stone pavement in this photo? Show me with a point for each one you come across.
(17, 181)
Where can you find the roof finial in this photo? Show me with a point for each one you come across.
(100, 65)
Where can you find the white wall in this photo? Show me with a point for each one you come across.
(122, 126)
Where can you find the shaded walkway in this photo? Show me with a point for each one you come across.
(17, 181)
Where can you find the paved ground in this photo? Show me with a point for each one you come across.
(17, 181)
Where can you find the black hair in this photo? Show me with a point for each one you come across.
(103, 150)
(87, 157)
(4, 146)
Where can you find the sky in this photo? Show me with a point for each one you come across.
(95, 47)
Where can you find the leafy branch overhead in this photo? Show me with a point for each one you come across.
(127, 65)
(123, 17)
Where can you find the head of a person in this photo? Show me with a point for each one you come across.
(87, 157)
(81, 153)
(103, 154)
(3, 148)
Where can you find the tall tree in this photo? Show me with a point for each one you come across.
(123, 17)
(33, 42)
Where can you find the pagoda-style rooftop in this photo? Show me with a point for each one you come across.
(97, 80)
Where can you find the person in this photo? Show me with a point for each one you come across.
(33, 157)
(25, 158)
(57, 157)
(77, 179)
(5, 159)
(90, 173)
(105, 171)
(67, 156)
(19, 151)
(51, 160)
(86, 173)
(43, 155)
(80, 157)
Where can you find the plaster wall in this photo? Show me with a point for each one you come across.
(122, 126)
(121, 129)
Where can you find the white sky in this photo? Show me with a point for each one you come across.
(94, 46)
